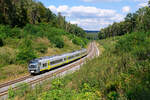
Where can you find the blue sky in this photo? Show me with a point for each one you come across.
(94, 14)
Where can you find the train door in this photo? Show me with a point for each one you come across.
(44, 66)
(49, 66)
(39, 66)
(67, 59)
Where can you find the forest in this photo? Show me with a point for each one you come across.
(18, 13)
(133, 22)
(29, 30)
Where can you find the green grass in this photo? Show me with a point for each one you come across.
(115, 75)
(20, 45)
(9, 56)
(71, 87)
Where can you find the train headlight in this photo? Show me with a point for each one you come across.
(32, 71)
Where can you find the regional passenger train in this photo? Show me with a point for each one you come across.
(49, 62)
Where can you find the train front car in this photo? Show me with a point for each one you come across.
(33, 67)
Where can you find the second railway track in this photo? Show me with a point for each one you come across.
(92, 51)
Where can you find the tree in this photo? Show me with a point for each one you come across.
(18, 13)
(6, 10)
(26, 52)
(133, 22)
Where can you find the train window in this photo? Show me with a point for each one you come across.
(56, 61)
(65, 59)
(39, 64)
(71, 57)
(45, 65)
(32, 66)
(77, 55)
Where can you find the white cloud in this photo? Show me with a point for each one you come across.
(87, 0)
(53, 8)
(87, 17)
(142, 4)
(62, 8)
(141, 0)
(126, 9)
(101, 0)
(91, 24)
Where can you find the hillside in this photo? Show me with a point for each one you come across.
(29, 30)
(121, 72)
(19, 46)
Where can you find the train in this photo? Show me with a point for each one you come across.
(39, 65)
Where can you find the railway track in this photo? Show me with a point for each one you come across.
(92, 51)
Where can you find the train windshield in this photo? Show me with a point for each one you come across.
(32, 66)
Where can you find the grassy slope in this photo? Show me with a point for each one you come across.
(80, 85)
(120, 73)
(13, 71)
(9, 52)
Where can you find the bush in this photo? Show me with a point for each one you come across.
(58, 41)
(22, 90)
(26, 52)
(41, 47)
(25, 55)
(78, 41)
(32, 29)
(11, 93)
(137, 44)
(70, 36)
(5, 31)
(53, 34)
(16, 32)
(7, 56)
(85, 41)
(113, 95)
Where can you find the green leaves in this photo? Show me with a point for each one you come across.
(21, 12)
(26, 52)
(41, 47)
(79, 41)
(133, 22)
(138, 44)
(11, 93)
(25, 55)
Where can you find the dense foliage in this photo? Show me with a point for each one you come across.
(22, 21)
(137, 47)
(122, 72)
(26, 52)
(18, 13)
(22, 39)
(29, 30)
(133, 22)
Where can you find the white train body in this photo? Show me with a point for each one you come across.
(49, 62)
